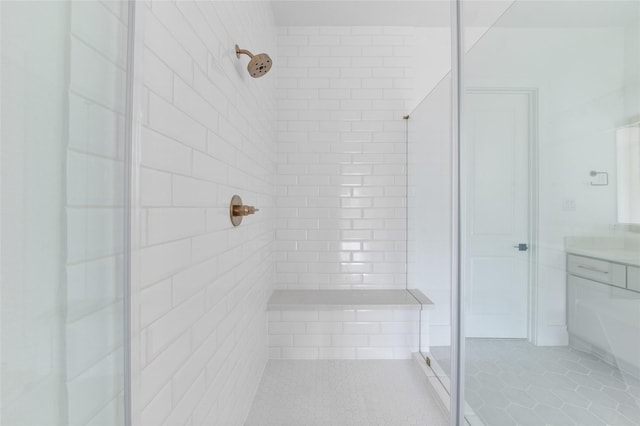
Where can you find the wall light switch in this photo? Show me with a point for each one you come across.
(599, 178)
(569, 205)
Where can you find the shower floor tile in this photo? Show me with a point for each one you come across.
(512, 382)
(345, 393)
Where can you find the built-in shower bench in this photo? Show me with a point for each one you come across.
(346, 324)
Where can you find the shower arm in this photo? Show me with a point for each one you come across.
(242, 52)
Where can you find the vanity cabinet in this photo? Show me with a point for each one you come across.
(633, 278)
(598, 270)
(603, 312)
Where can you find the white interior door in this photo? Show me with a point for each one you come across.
(497, 198)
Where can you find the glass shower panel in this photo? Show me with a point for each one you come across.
(63, 98)
(550, 247)
(430, 220)
(429, 204)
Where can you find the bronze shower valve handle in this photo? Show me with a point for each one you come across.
(237, 210)
(244, 210)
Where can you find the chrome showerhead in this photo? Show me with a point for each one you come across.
(259, 64)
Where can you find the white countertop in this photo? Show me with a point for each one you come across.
(619, 249)
(619, 256)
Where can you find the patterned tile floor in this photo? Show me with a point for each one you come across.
(511, 382)
(345, 393)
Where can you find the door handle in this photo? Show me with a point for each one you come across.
(521, 247)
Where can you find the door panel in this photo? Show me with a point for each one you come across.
(498, 213)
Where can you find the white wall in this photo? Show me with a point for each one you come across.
(579, 76)
(207, 132)
(583, 95)
(342, 150)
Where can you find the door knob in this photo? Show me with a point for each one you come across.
(521, 247)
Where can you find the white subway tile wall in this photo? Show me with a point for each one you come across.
(209, 132)
(344, 334)
(321, 138)
(342, 93)
(95, 196)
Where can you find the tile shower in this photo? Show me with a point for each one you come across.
(279, 320)
(327, 172)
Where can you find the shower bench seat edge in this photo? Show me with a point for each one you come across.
(301, 300)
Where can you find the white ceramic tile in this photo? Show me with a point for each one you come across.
(192, 103)
(167, 224)
(373, 315)
(158, 77)
(161, 261)
(155, 188)
(312, 340)
(280, 340)
(299, 316)
(349, 340)
(374, 353)
(191, 192)
(166, 47)
(275, 353)
(501, 392)
(85, 346)
(201, 121)
(102, 378)
(173, 324)
(86, 62)
(94, 128)
(93, 181)
(361, 327)
(159, 408)
(207, 246)
(182, 410)
(93, 233)
(320, 327)
(300, 353)
(155, 301)
(337, 353)
(357, 141)
(92, 285)
(176, 124)
(409, 327)
(163, 153)
(389, 393)
(159, 371)
(406, 352)
(209, 168)
(286, 327)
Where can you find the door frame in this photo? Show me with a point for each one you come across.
(533, 198)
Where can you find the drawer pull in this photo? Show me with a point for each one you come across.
(592, 269)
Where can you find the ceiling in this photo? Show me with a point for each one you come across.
(437, 13)
(359, 13)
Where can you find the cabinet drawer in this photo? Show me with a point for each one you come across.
(598, 270)
(633, 278)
